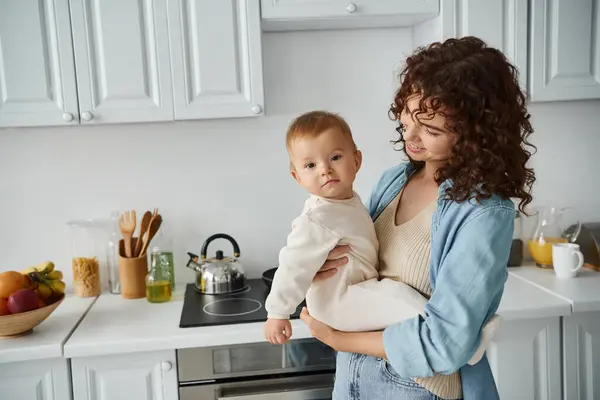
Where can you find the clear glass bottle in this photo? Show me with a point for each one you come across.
(158, 280)
(112, 254)
(162, 249)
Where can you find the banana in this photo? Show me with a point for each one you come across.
(44, 291)
(55, 275)
(57, 286)
(45, 267)
(29, 270)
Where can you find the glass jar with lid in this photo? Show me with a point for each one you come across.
(85, 261)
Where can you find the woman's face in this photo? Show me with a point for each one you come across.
(426, 137)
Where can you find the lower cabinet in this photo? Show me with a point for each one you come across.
(581, 356)
(36, 380)
(525, 359)
(133, 376)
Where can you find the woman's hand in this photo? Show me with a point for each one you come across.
(320, 331)
(334, 260)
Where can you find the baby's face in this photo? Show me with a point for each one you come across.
(325, 165)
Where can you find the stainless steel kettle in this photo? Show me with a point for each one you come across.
(220, 274)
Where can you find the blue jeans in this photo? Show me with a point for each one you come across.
(360, 377)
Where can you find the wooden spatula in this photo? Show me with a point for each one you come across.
(143, 227)
(152, 229)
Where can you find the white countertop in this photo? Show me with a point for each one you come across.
(522, 300)
(115, 325)
(47, 339)
(582, 292)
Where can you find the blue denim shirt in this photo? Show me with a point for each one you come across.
(470, 245)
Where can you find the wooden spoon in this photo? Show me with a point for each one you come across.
(127, 222)
(143, 226)
(152, 229)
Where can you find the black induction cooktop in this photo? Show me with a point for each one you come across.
(247, 305)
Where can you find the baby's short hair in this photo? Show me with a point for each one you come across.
(313, 123)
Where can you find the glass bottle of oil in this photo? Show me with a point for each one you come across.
(158, 281)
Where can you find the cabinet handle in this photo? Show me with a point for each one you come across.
(166, 366)
(256, 109)
(86, 115)
(351, 8)
(68, 117)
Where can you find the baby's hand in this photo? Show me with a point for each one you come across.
(278, 331)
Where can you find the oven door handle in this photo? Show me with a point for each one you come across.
(303, 394)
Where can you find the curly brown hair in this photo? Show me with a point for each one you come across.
(477, 90)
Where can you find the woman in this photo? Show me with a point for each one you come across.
(444, 221)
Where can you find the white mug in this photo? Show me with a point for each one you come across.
(566, 259)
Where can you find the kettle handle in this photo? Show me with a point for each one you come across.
(236, 248)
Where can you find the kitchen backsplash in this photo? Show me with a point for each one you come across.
(232, 175)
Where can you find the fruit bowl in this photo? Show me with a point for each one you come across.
(20, 324)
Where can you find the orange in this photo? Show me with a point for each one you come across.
(11, 281)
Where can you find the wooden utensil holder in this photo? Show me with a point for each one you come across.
(132, 273)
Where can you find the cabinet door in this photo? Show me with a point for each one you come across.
(37, 75)
(135, 376)
(122, 59)
(35, 380)
(501, 24)
(581, 355)
(216, 58)
(565, 50)
(525, 359)
(296, 9)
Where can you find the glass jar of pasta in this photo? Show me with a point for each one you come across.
(85, 262)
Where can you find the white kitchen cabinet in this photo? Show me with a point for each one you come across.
(525, 359)
(216, 58)
(500, 23)
(97, 62)
(332, 14)
(122, 60)
(581, 356)
(565, 50)
(37, 76)
(47, 379)
(134, 376)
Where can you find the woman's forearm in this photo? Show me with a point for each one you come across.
(369, 343)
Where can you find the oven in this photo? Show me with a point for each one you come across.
(301, 369)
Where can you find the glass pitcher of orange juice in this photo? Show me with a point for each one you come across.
(549, 230)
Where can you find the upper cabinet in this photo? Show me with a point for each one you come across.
(116, 61)
(37, 75)
(501, 23)
(122, 60)
(565, 50)
(216, 58)
(333, 14)
(555, 45)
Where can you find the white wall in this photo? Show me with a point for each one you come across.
(231, 175)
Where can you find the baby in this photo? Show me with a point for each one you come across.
(324, 160)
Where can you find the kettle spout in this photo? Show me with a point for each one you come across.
(193, 263)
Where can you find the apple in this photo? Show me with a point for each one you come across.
(3, 307)
(21, 301)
